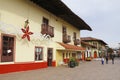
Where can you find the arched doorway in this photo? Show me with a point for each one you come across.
(83, 56)
(95, 54)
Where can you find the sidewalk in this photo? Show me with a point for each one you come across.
(85, 71)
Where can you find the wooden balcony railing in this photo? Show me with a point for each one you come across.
(51, 31)
(48, 30)
(76, 41)
(66, 38)
(44, 28)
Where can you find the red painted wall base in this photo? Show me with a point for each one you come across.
(21, 67)
(53, 63)
(66, 60)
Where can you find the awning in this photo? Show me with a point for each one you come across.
(70, 47)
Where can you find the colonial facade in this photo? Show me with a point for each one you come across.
(98, 47)
(37, 34)
(89, 50)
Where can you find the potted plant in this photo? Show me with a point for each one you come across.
(73, 62)
(76, 62)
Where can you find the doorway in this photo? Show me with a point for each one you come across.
(49, 56)
(95, 54)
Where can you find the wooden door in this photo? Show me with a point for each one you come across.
(95, 54)
(49, 56)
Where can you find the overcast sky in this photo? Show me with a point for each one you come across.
(103, 16)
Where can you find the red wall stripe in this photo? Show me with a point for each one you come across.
(21, 67)
(7, 68)
(54, 63)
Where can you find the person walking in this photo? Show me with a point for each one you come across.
(106, 59)
(102, 60)
(112, 59)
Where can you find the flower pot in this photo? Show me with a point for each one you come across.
(72, 64)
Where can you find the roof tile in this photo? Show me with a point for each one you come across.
(71, 47)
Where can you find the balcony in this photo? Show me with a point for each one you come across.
(66, 38)
(51, 31)
(48, 30)
(76, 41)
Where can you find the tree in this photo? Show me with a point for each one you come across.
(110, 50)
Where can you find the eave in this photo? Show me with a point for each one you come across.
(59, 9)
(92, 39)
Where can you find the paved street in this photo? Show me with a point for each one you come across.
(85, 71)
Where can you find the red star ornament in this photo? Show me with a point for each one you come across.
(27, 33)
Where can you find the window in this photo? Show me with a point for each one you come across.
(66, 38)
(95, 44)
(66, 55)
(64, 30)
(45, 21)
(46, 28)
(74, 36)
(7, 48)
(79, 54)
(74, 55)
(38, 53)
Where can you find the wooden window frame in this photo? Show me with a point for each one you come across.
(64, 30)
(12, 48)
(74, 35)
(46, 28)
(37, 53)
(45, 21)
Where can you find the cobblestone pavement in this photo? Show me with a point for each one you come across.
(85, 71)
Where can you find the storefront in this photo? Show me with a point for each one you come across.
(67, 51)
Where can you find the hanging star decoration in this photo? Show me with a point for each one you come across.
(26, 31)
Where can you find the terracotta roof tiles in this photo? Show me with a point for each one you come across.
(92, 39)
(71, 47)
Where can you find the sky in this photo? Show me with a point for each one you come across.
(103, 16)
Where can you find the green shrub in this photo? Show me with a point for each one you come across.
(74, 60)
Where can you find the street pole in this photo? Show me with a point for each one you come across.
(119, 50)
